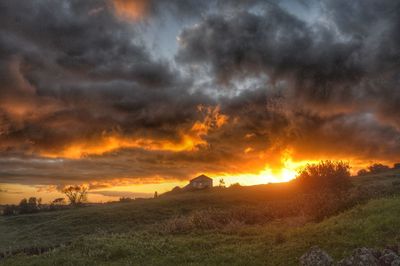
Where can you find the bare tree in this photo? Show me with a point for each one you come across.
(76, 194)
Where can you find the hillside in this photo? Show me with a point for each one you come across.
(255, 225)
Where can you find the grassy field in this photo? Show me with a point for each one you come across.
(178, 229)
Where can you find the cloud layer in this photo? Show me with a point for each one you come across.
(85, 97)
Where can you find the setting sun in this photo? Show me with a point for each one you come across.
(286, 170)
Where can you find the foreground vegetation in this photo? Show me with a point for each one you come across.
(258, 225)
(279, 243)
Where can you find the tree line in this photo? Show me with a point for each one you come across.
(76, 196)
(377, 168)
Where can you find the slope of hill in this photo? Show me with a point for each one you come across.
(280, 243)
(256, 225)
(50, 229)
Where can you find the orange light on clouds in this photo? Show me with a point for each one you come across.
(115, 142)
(188, 141)
(131, 9)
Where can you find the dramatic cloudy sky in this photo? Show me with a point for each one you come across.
(114, 93)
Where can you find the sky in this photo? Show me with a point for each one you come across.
(134, 96)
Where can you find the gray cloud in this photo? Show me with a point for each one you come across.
(74, 73)
(334, 70)
(319, 63)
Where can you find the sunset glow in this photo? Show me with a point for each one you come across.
(112, 143)
(201, 132)
(187, 141)
(137, 96)
(288, 170)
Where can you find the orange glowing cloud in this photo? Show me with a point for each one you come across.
(115, 141)
(188, 141)
(213, 119)
(131, 9)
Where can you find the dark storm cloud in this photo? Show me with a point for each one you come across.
(72, 72)
(310, 56)
(81, 75)
(92, 72)
(348, 62)
(180, 9)
(376, 26)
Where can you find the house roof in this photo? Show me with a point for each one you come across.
(200, 178)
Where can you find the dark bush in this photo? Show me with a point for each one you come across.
(326, 176)
(362, 172)
(378, 168)
(125, 199)
(235, 185)
(29, 206)
(10, 210)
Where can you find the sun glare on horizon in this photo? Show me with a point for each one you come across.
(287, 171)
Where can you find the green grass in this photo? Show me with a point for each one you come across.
(131, 233)
(375, 224)
(49, 229)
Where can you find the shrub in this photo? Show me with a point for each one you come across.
(29, 206)
(378, 168)
(235, 185)
(125, 199)
(326, 176)
(362, 172)
(10, 210)
(319, 206)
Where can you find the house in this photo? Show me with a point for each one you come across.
(200, 182)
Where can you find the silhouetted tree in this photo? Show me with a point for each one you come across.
(155, 194)
(221, 182)
(378, 168)
(29, 206)
(23, 205)
(76, 194)
(325, 176)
